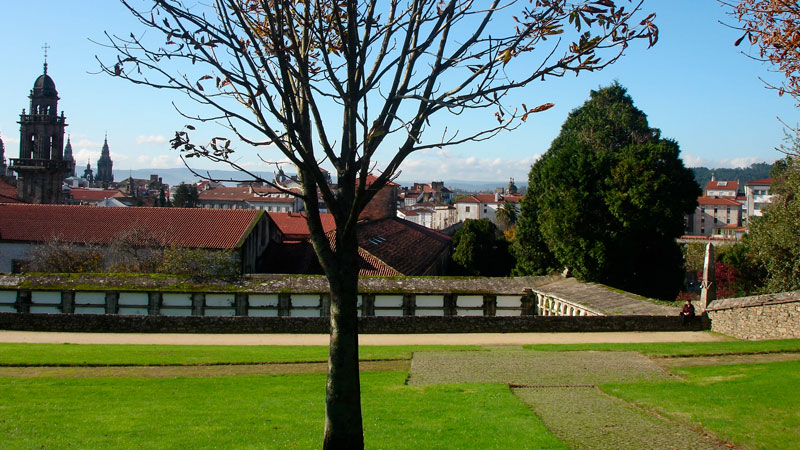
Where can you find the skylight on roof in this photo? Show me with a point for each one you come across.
(723, 183)
(377, 240)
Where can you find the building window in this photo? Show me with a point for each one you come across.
(466, 209)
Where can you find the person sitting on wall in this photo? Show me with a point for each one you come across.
(687, 312)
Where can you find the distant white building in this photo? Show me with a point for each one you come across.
(485, 206)
(758, 195)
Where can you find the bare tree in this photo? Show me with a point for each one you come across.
(338, 80)
(773, 28)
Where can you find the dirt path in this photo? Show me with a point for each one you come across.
(487, 339)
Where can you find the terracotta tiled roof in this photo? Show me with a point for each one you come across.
(722, 186)
(720, 201)
(407, 212)
(293, 226)
(489, 198)
(761, 182)
(93, 195)
(8, 193)
(372, 178)
(241, 194)
(186, 227)
(406, 247)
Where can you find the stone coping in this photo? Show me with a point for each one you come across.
(753, 301)
(601, 299)
(272, 283)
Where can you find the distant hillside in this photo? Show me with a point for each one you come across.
(756, 171)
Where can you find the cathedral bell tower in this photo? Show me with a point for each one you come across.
(105, 173)
(41, 166)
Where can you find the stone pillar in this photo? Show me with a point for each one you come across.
(490, 305)
(24, 301)
(241, 303)
(529, 303)
(325, 305)
(709, 283)
(154, 303)
(198, 303)
(409, 305)
(449, 302)
(112, 302)
(367, 305)
(67, 302)
(284, 305)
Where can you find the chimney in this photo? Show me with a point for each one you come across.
(496, 197)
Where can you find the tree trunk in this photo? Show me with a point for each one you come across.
(343, 425)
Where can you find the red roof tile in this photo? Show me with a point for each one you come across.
(761, 182)
(406, 247)
(186, 227)
(8, 193)
(722, 186)
(489, 198)
(723, 201)
(93, 195)
(241, 194)
(293, 226)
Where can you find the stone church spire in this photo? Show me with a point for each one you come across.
(68, 157)
(105, 174)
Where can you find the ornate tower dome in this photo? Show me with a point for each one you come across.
(41, 166)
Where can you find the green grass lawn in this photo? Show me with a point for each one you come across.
(682, 348)
(754, 405)
(73, 354)
(264, 412)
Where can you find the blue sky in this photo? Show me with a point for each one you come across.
(694, 85)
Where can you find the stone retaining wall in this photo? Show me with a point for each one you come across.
(773, 316)
(105, 323)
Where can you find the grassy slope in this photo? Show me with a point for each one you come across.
(752, 405)
(273, 412)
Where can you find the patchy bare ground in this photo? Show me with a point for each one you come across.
(560, 387)
(724, 360)
(193, 370)
(520, 367)
(586, 418)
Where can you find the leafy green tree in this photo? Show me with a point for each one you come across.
(607, 200)
(774, 238)
(186, 196)
(480, 250)
(507, 215)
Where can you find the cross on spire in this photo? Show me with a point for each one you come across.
(45, 47)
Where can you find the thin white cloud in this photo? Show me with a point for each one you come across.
(159, 161)
(118, 157)
(9, 140)
(84, 154)
(151, 140)
(86, 143)
(725, 163)
(471, 168)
